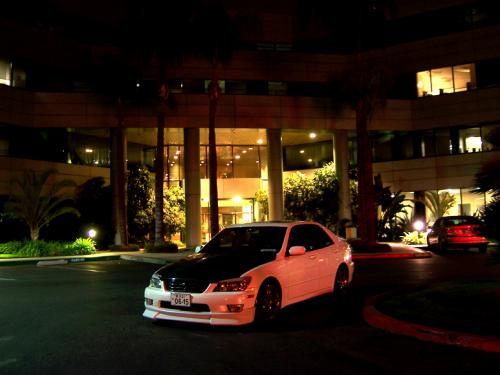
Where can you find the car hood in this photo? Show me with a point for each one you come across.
(213, 267)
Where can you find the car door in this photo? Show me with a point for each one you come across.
(303, 271)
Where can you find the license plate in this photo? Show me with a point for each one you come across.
(180, 299)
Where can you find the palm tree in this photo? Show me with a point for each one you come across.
(439, 203)
(36, 202)
(159, 31)
(215, 37)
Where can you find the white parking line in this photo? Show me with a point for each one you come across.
(6, 279)
(6, 338)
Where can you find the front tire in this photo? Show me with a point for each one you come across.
(268, 302)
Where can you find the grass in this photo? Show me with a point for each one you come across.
(467, 306)
(8, 256)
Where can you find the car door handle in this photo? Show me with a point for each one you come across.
(312, 256)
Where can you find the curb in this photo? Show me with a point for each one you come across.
(143, 259)
(56, 261)
(425, 333)
(412, 255)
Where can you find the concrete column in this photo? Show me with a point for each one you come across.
(341, 158)
(192, 186)
(119, 184)
(275, 174)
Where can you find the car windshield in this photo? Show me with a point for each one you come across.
(247, 240)
(461, 220)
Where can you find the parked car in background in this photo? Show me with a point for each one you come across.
(457, 232)
(249, 272)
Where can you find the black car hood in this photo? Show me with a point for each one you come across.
(213, 267)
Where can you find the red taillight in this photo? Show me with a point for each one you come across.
(462, 230)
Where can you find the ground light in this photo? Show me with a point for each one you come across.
(91, 233)
(419, 225)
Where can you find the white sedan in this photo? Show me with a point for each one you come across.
(249, 272)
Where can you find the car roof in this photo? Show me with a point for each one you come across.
(277, 223)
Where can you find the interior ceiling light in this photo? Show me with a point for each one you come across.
(302, 151)
(312, 135)
(260, 141)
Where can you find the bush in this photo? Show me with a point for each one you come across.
(39, 248)
(81, 246)
(414, 238)
(168, 247)
(129, 247)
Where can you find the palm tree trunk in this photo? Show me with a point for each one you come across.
(366, 193)
(214, 92)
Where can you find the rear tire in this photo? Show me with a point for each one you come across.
(341, 282)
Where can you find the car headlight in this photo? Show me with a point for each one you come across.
(233, 285)
(155, 281)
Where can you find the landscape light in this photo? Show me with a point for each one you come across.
(91, 233)
(419, 225)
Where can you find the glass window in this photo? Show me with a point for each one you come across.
(443, 142)
(245, 162)
(446, 80)
(464, 77)
(224, 162)
(307, 156)
(310, 236)
(490, 137)
(428, 144)
(470, 140)
(5, 72)
(174, 164)
(442, 81)
(424, 87)
(472, 203)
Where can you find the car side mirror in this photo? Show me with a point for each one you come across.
(198, 248)
(297, 250)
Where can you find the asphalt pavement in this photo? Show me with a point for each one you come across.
(372, 316)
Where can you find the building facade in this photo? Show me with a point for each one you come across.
(281, 107)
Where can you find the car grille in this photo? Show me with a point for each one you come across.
(195, 307)
(185, 285)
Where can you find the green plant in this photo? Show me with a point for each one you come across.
(36, 202)
(439, 203)
(140, 203)
(414, 238)
(81, 246)
(11, 247)
(174, 217)
(263, 202)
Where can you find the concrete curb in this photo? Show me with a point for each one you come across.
(408, 255)
(144, 259)
(425, 333)
(57, 260)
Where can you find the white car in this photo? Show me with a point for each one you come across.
(249, 272)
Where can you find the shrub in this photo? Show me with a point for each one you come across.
(81, 246)
(414, 238)
(11, 247)
(168, 247)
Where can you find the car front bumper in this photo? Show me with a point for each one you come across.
(215, 307)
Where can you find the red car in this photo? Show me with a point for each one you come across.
(457, 232)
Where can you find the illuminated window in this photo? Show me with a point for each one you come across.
(5, 72)
(446, 80)
(470, 140)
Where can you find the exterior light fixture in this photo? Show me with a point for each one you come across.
(237, 199)
(309, 160)
(419, 225)
(88, 150)
(91, 233)
(312, 135)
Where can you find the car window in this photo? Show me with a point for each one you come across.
(461, 220)
(256, 240)
(311, 236)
